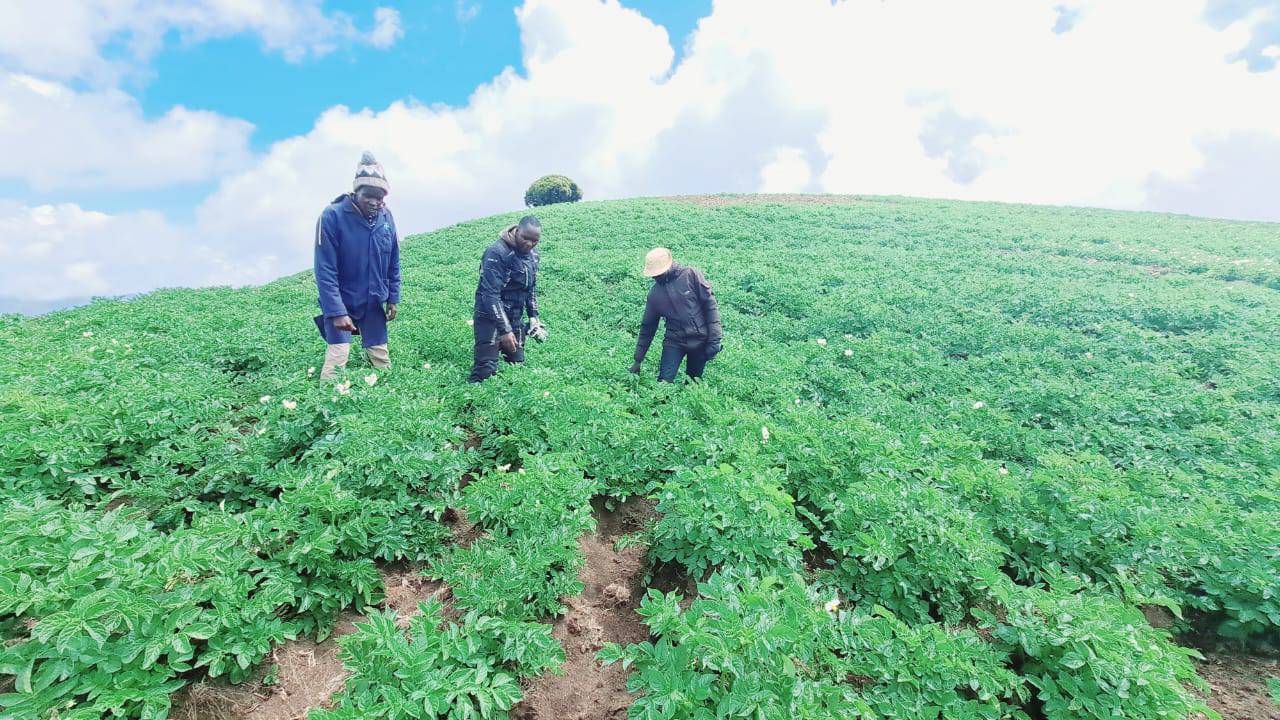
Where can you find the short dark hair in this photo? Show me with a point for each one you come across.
(530, 222)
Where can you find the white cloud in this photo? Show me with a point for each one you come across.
(466, 11)
(65, 38)
(1237, 178)
(1128, 108)
(787, 172)
(56, 251)
(53, 137)
(386, 28)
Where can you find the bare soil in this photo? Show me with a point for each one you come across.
(630, 516)
(1239, 686)
(464, 531)
(604, 612)
(405, 587)
(308, 673)
(714, 201)
(1157, 616)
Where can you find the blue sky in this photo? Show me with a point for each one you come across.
(441, 59)
(447, 50)
(192, 142)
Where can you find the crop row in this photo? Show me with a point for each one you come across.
(989, 433)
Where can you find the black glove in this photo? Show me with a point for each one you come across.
(713, 349)
(634, 369)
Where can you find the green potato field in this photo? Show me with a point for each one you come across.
(956, 460)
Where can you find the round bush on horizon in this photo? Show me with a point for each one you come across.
(552, 189)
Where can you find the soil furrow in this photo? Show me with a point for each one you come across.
(307, 673)
(604, 612)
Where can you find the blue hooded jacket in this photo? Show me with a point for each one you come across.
(357, 260)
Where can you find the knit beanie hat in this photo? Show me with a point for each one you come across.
(370, 172)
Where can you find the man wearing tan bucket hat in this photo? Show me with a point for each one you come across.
(683, 297)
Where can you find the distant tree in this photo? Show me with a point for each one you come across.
(552, 189)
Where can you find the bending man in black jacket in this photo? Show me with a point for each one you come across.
(682, 296)
(507, 290)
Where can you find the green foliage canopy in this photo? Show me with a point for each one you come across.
(552, 189)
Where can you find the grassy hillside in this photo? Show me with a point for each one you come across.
(993, 434)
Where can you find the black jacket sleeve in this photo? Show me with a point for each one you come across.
(710, 309)
(494, 274)
(648, 328)
(531, 305)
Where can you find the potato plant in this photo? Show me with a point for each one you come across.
(990, 433)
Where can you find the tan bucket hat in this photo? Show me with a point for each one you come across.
(657, 262)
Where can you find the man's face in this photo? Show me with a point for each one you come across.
(370, 200)
(527, 238)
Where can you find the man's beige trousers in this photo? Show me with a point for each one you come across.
(335, 358)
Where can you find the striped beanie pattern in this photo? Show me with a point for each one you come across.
(371, 173)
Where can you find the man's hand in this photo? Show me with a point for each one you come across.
(343, 322)
(508, 343)
(391, 312)
(634, 369)
(713, 349)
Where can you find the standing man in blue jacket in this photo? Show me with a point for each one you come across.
(506, 292)
(357, 270)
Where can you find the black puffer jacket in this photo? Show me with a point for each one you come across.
(508, 284)
(682, 296)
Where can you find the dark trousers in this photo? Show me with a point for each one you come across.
(485, 363)
(672, 355)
